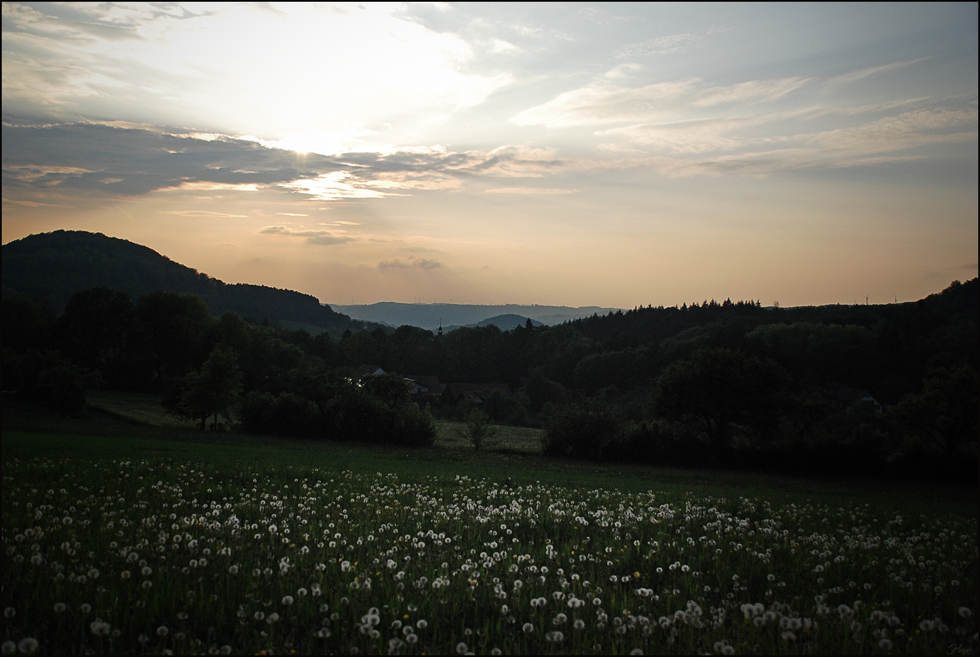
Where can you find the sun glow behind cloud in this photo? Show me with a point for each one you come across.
(310, 75)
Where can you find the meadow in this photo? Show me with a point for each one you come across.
(124, 539)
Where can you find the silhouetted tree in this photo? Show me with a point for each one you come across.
(214, 390)
(390, 388)
(722, 390)
(944, 414)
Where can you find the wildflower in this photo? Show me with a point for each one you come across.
(885, 644)
(125, 574)
(528, 628)
(233, 570)
(100, 628)
(147, 571)
(9, 648)
(163, 630)
(461, 648)
(85, 607)
(788, 636)
(301, 593)
(287, 600)
(554, 637)
(9, 612)
(422, 624)
(964, 612)
(579, 624)
(60, 607)
(27, 645)
(927, 625)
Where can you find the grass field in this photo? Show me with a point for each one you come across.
(146, 409)
(139, 407)
(132, 538)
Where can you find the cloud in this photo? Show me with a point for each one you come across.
(317, 237)
(328, 240)
(601, 103)
(530, 190)
(665, 45)
(855, 76)
(499, 46)
(93, 159)
(207, 214)
(200, 66)
(412, 263)
(333, 186)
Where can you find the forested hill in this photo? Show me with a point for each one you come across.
(957, 304)
(53, 266)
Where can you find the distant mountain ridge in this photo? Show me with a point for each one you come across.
(53, 266)
(431, 316)
(507, 322)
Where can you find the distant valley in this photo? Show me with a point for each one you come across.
(448, 315)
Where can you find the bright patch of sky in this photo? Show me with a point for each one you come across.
(608, 154)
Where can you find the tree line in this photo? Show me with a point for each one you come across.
(838, 390)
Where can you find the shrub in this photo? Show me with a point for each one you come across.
(579, 433)
(478, 428)
(287, 414)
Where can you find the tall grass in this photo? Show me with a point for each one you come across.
(156, 551)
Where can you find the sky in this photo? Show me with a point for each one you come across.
(568, 154)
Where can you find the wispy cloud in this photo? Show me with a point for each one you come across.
(855, 76)
(531, 190)
(207, 214)
(601, 103)
(317, 237)
(665, 45)
(700, 150)
(424, 264)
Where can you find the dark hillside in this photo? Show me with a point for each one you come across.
(53, 266)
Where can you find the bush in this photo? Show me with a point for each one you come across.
(353, 414)
(49, 378)
(64, 385)
(287, 414)
(414, 428)
(578, 433)
(662, 443)
(478, 428)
